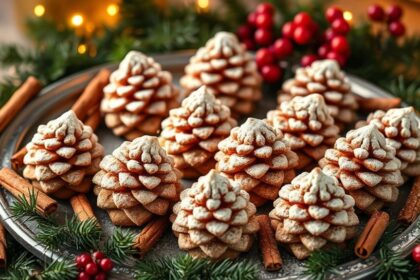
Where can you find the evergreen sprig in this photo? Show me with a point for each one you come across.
(26, 267)
(323, 262)
(185, 267)
(393, 266)
(119, 246)
(72, 234)
(26, 208)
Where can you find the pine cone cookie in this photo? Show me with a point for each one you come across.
(311, 212)
(307, 126)
(402, 131)
(214, 219)
(191, 133)
(137, 181)
(229, 72)
(366, 167)
(255, 157)
(138, 97)
(326, 78)
(62, 156)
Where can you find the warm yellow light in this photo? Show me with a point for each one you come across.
(203, 5)
(82, 49)
(348, 16)
(39, 10)
(112, 9)
(77, 20)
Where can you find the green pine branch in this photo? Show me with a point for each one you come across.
(323, 262)
(186, 267)
(119, 246)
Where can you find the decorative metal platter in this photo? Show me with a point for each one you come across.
(58, 97)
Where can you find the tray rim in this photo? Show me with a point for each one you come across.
(76, 83)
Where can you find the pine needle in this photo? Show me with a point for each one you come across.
(186, 267)
(59, 270)
(321, 263)
(119, 247)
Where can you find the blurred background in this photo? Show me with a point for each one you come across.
(379, 39)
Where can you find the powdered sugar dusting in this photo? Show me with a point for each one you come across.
(255, 131)
(312, 107)
(405, 119)
(364, 140)
(67, 127)
(201, 102)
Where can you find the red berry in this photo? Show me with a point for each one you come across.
(329, 34)
(394, 12)
(106, 264)
(337, 57)
(308, 59)
(339, 44)
(83, 259)
(396, 28)
(83, 276)
(288, 29)
(264, 57)
(376, 12)
(264, 21)
(415, 254)
(98, 255)
(302, 35)
(323, 50)
(249, 44)
(333, 13)
(340, 26)
(263, 37)
(244, 32)
(265, 8)
(100, 276)
(302, 19)
(282, 47)
(252, 19)
(271, 73)
(91, 268)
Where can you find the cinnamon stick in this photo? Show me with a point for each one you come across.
(271, 256)
(3, 246)
(92, 94)
(94, 119)
(411, 210)
(371, 234)
(18, 100)
(17, 158)
(150, 234)
(18, 186)
(81, 207)
(379, 103)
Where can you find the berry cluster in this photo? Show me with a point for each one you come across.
(335, 44)
(258, 31)
(95, 266)
(391, 17)
(302, 33)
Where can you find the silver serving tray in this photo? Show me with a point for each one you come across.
(59, 96)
